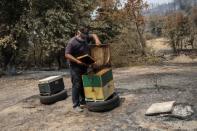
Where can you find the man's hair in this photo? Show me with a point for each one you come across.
(84, 29)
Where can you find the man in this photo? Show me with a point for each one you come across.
(78, 46)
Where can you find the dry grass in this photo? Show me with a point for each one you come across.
(159, 45)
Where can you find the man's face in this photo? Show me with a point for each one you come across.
(84, 35)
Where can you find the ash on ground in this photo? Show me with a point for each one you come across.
(182, 111)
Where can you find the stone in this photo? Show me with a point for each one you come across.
(159, 108)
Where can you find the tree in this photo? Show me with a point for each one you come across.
(10, 13)
(177, 29)
(155, 24)
(133, 12)
(106, 23)
(37, 31)
(193, 26)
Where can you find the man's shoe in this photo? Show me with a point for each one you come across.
(78, 109)
(83, 104)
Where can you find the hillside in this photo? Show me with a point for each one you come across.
(162, 9)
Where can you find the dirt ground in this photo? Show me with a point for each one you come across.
(138, 87)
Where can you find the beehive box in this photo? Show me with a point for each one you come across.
(51, 85)
(101, 55)
(98, 86)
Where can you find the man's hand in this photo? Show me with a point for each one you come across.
(98, 43)
(96, 39)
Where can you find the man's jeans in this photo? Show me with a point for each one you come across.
(78, 95)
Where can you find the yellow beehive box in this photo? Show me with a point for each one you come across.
(98, 86)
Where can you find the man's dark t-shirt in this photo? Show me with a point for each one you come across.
(77, 47)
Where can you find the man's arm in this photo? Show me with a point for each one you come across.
(70, 57)
(95, 38)
(73, 59)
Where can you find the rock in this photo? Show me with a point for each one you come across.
(158, 108)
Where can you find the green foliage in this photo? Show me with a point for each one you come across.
(35, 32)
(38, 30)
(11, 10)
